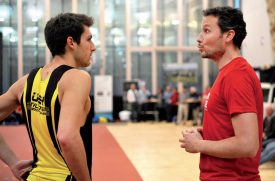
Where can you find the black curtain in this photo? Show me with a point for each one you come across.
(268, 75)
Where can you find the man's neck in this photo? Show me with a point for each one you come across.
(227, 57)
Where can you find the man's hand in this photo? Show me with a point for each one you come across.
(190, 139)
(21, 168)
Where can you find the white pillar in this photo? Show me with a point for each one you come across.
(74, 6)
(102, 38)
(20, 38)
(154, 52)
(205, 66)
(47, 17)
(128, 41)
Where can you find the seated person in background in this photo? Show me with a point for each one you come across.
(143, 99)
(268, 152)
(269, 125)
(144, 95)
(182, 106)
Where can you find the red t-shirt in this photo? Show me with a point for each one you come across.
(237, 89)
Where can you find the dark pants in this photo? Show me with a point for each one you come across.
(134, 108)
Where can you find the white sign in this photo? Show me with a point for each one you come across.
(103, 93)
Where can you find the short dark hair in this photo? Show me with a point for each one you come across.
(60, 27)
(229, 19)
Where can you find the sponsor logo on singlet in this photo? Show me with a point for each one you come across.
(37, 104)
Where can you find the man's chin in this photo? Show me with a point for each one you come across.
(87, 64)
(204, 56)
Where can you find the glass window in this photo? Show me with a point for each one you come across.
(167, 22)
(164, 58)
(9, 43)
(140, 14)
(60, 6)
(115, 22)
(94, 67)
(33, 35)
(115, 42)
(217, 3)
(115, 65)
(192, 18)
(142, 68)
(194, 71)
(213, 72)
(91, 8)
(141, 23)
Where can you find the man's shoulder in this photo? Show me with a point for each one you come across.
(75, 74)
(75, 77)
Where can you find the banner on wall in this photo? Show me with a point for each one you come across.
(103, 97)
(184, 72)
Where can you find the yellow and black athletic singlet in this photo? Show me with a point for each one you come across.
(41, 108)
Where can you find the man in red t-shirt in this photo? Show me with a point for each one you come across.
(230, 140)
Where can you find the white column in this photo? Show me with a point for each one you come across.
(205, 66)
(47, 11)
(128, 41)
(102, 37)
(154, 52)
(20, 38)
(180, 28)
(74, 6)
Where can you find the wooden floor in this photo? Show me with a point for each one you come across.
(154, 150)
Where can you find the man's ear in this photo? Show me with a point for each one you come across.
(230, 35)
(70, 42)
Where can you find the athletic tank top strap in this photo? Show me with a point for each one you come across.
(54, 79)
(26, 115)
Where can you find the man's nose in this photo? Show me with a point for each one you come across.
(199, 37)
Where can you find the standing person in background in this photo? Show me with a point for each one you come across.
(167, 101)
(160, 97)
(161, 105)
(231, 137)
(56, 103)
(132, 99)
(182, 113)
(144, 94)
(174, 105)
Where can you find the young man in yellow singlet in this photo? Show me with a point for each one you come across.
(56, 103)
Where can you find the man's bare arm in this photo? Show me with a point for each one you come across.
(18, 167)
(76, 88)
(11, 99)
(245, 143)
